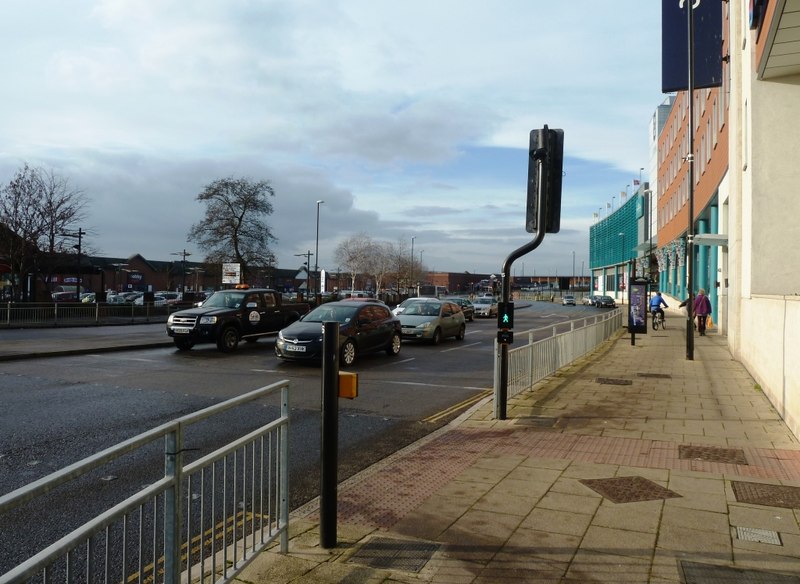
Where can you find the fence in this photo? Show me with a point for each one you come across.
(79, 313)
(557, 346)
(203, 521)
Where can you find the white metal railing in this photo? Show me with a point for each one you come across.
(76, 313)
(552, 347)
(203, 521)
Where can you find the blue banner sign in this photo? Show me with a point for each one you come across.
(707, 49)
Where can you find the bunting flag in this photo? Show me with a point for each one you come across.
(636, 182)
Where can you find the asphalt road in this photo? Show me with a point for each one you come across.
(60, 410)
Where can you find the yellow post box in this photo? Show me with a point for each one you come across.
(348, 385)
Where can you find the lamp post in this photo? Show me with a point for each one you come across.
(316, 254)
(116, 271)
(622, 235)
(183, 255)
(582, 281)
(573, 269)
(79, 235)
(413, 237)
(306, 255)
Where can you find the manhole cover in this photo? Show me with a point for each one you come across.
(758, 535)
(541, 422)
(712, 454)
(395, 554)
(629, 489)
(613, 381)
(695, 573)
(769, 495)
(655, 375)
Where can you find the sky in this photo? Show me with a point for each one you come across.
(408, 119)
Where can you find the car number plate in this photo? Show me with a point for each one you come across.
(295, 348)
(181, 330)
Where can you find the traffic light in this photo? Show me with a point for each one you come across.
(545, 166)
(505, 315)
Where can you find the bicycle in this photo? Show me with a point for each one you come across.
(658, 320)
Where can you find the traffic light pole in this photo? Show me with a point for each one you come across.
(500, 409)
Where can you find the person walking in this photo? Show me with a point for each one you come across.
(702, 308)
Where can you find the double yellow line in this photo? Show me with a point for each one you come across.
(459, 406)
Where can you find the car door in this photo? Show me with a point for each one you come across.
(450, 323)
(254, 315)
(368, 321)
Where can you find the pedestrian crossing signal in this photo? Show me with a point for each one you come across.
(505, 315)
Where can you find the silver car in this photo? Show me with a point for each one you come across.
(485, 306)
(432, 320)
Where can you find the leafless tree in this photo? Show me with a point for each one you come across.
(354, 254)
(37, 209)
(234, 227)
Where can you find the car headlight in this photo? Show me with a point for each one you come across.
(208, 320)
(169, 318)
(424, 325)
(280, 335)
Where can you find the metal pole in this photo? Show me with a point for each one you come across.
(690, 228)
(412, 261)
(329, 435)
(316, 255)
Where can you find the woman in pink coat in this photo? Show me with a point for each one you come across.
(702, 308)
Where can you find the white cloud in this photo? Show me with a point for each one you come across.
(376, 107)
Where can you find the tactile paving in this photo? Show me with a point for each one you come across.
(769, 495)
(712, 454)
(395, 554)
(629, 489)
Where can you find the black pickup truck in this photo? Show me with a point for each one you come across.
(228, 316)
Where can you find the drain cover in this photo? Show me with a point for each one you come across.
(712, 454)
(758, 535)
(613, 381)
(395, 554)
(695, 573)
(629, 489)
(655, 375)
(770, 495)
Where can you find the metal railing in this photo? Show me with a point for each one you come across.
(22, 314)
(557, 346)
(203, 521)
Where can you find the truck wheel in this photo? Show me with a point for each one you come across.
(348, 353)
(394, 346)
(184, 344)
(228, 340)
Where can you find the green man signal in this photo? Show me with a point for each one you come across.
(505, 315)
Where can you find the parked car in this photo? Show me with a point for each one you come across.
(158, 300)
(589, 300)
(364, 327)
(568, 300)
(433, 320)
(466, 307)
(485, 306)
(605, 302)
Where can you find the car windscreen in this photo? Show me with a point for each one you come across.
(225, 299)
(423, 309)
(326, 313)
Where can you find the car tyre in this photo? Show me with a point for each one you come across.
(461, 333)
(437, 336)
(348, 355)
(228, 340)
(394, 345)
(184, 344)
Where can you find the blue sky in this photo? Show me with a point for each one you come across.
(409, 119)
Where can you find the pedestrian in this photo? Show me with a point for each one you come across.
(702, 308)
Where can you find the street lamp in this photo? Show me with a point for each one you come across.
(624, 261)
(183, 255)
(573, 268)
(306, 255)
(316, 254)
(413, 237)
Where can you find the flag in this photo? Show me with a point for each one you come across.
(636, 182)
(608, 205)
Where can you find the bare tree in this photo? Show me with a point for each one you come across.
(353, 254)
(37, 207)
(380, 262)
(234, 229)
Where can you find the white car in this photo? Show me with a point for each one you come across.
(398, 310)
(568, 300)
(485, 306)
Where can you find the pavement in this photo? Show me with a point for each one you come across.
(633, 464)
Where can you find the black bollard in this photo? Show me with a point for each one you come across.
(329, 431)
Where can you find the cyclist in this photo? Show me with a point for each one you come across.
(655, 305)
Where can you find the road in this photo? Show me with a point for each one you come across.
(60, 410)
